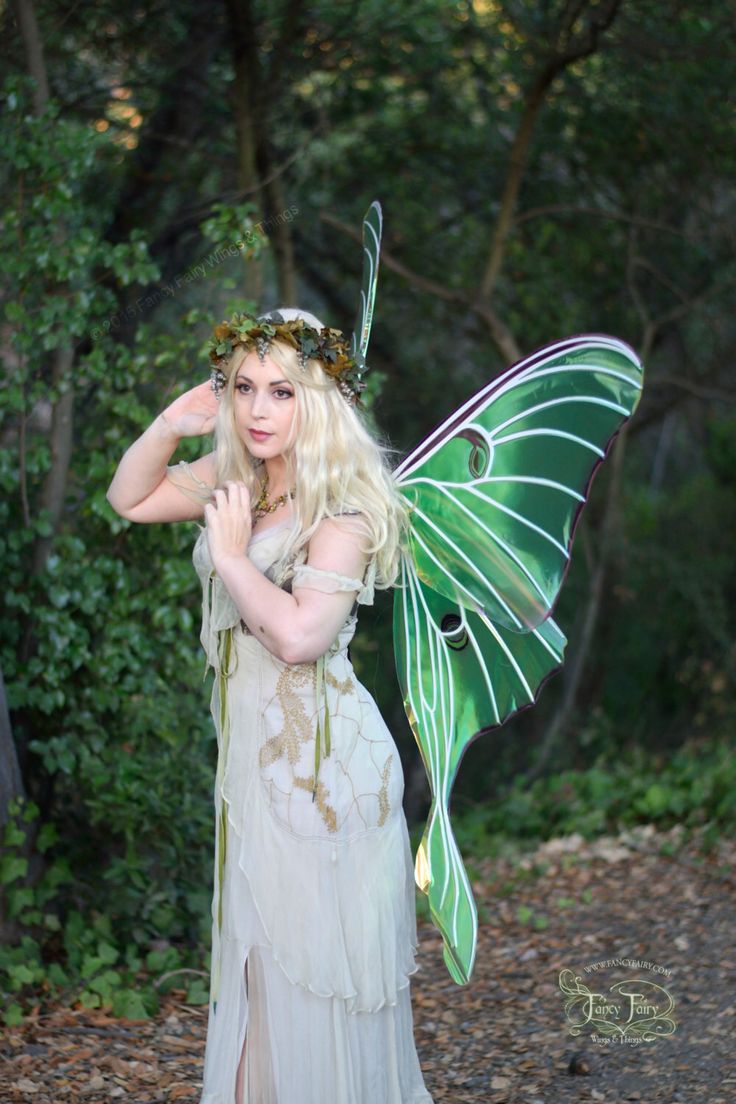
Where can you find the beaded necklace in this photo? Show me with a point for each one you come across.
(263, 506)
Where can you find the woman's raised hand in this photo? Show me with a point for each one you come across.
(228, 522)
(194, 413)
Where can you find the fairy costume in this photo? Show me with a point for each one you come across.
(313, 882)
(317, 895)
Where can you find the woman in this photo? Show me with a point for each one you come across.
(314, 926)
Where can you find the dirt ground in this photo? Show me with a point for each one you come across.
(505, 1037)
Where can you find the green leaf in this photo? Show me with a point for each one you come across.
(12, 867)
(129, 1003)
(13, 1015)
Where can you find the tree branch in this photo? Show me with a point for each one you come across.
(560, 60)
(597, 212)
(500, 333)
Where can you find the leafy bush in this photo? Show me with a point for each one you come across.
(84, 955)
(695, 787)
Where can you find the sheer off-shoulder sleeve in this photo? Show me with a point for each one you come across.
(328, 581)
(182, 476)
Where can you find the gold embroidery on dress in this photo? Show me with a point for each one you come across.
(383, 802)
(326, 811)
(347, 686)
(297, 729)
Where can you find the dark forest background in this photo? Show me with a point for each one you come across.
(545, 168)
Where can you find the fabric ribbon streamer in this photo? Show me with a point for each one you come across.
(323, 730)
(225, 645)
(209, 606)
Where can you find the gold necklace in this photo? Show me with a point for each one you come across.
(263, 506)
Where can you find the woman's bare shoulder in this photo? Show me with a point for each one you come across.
(351, 524)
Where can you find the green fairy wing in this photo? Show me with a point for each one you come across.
(494, 495)
(461, 675)
(372, 228)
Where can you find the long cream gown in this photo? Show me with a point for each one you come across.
(313, 885)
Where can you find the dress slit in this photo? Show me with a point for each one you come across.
(260, 1084)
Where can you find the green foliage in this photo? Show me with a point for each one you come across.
(53, 245)
(666, 653)
(109, 711)
(81, 956)
(233, 226)
(694, 786)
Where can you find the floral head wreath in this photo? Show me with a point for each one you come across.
(328, 346)
(344, 362)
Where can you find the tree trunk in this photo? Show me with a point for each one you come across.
(282, 243)
(34, 53)
(257, 177)
(53, 491)
(11, 782)
(245, 109)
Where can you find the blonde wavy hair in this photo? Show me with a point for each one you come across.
(332, 458)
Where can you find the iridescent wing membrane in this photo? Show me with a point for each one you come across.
(495, 493)
(372, 229)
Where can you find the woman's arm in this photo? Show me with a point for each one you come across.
(298, 627)
(140, 490)
(143, 466)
